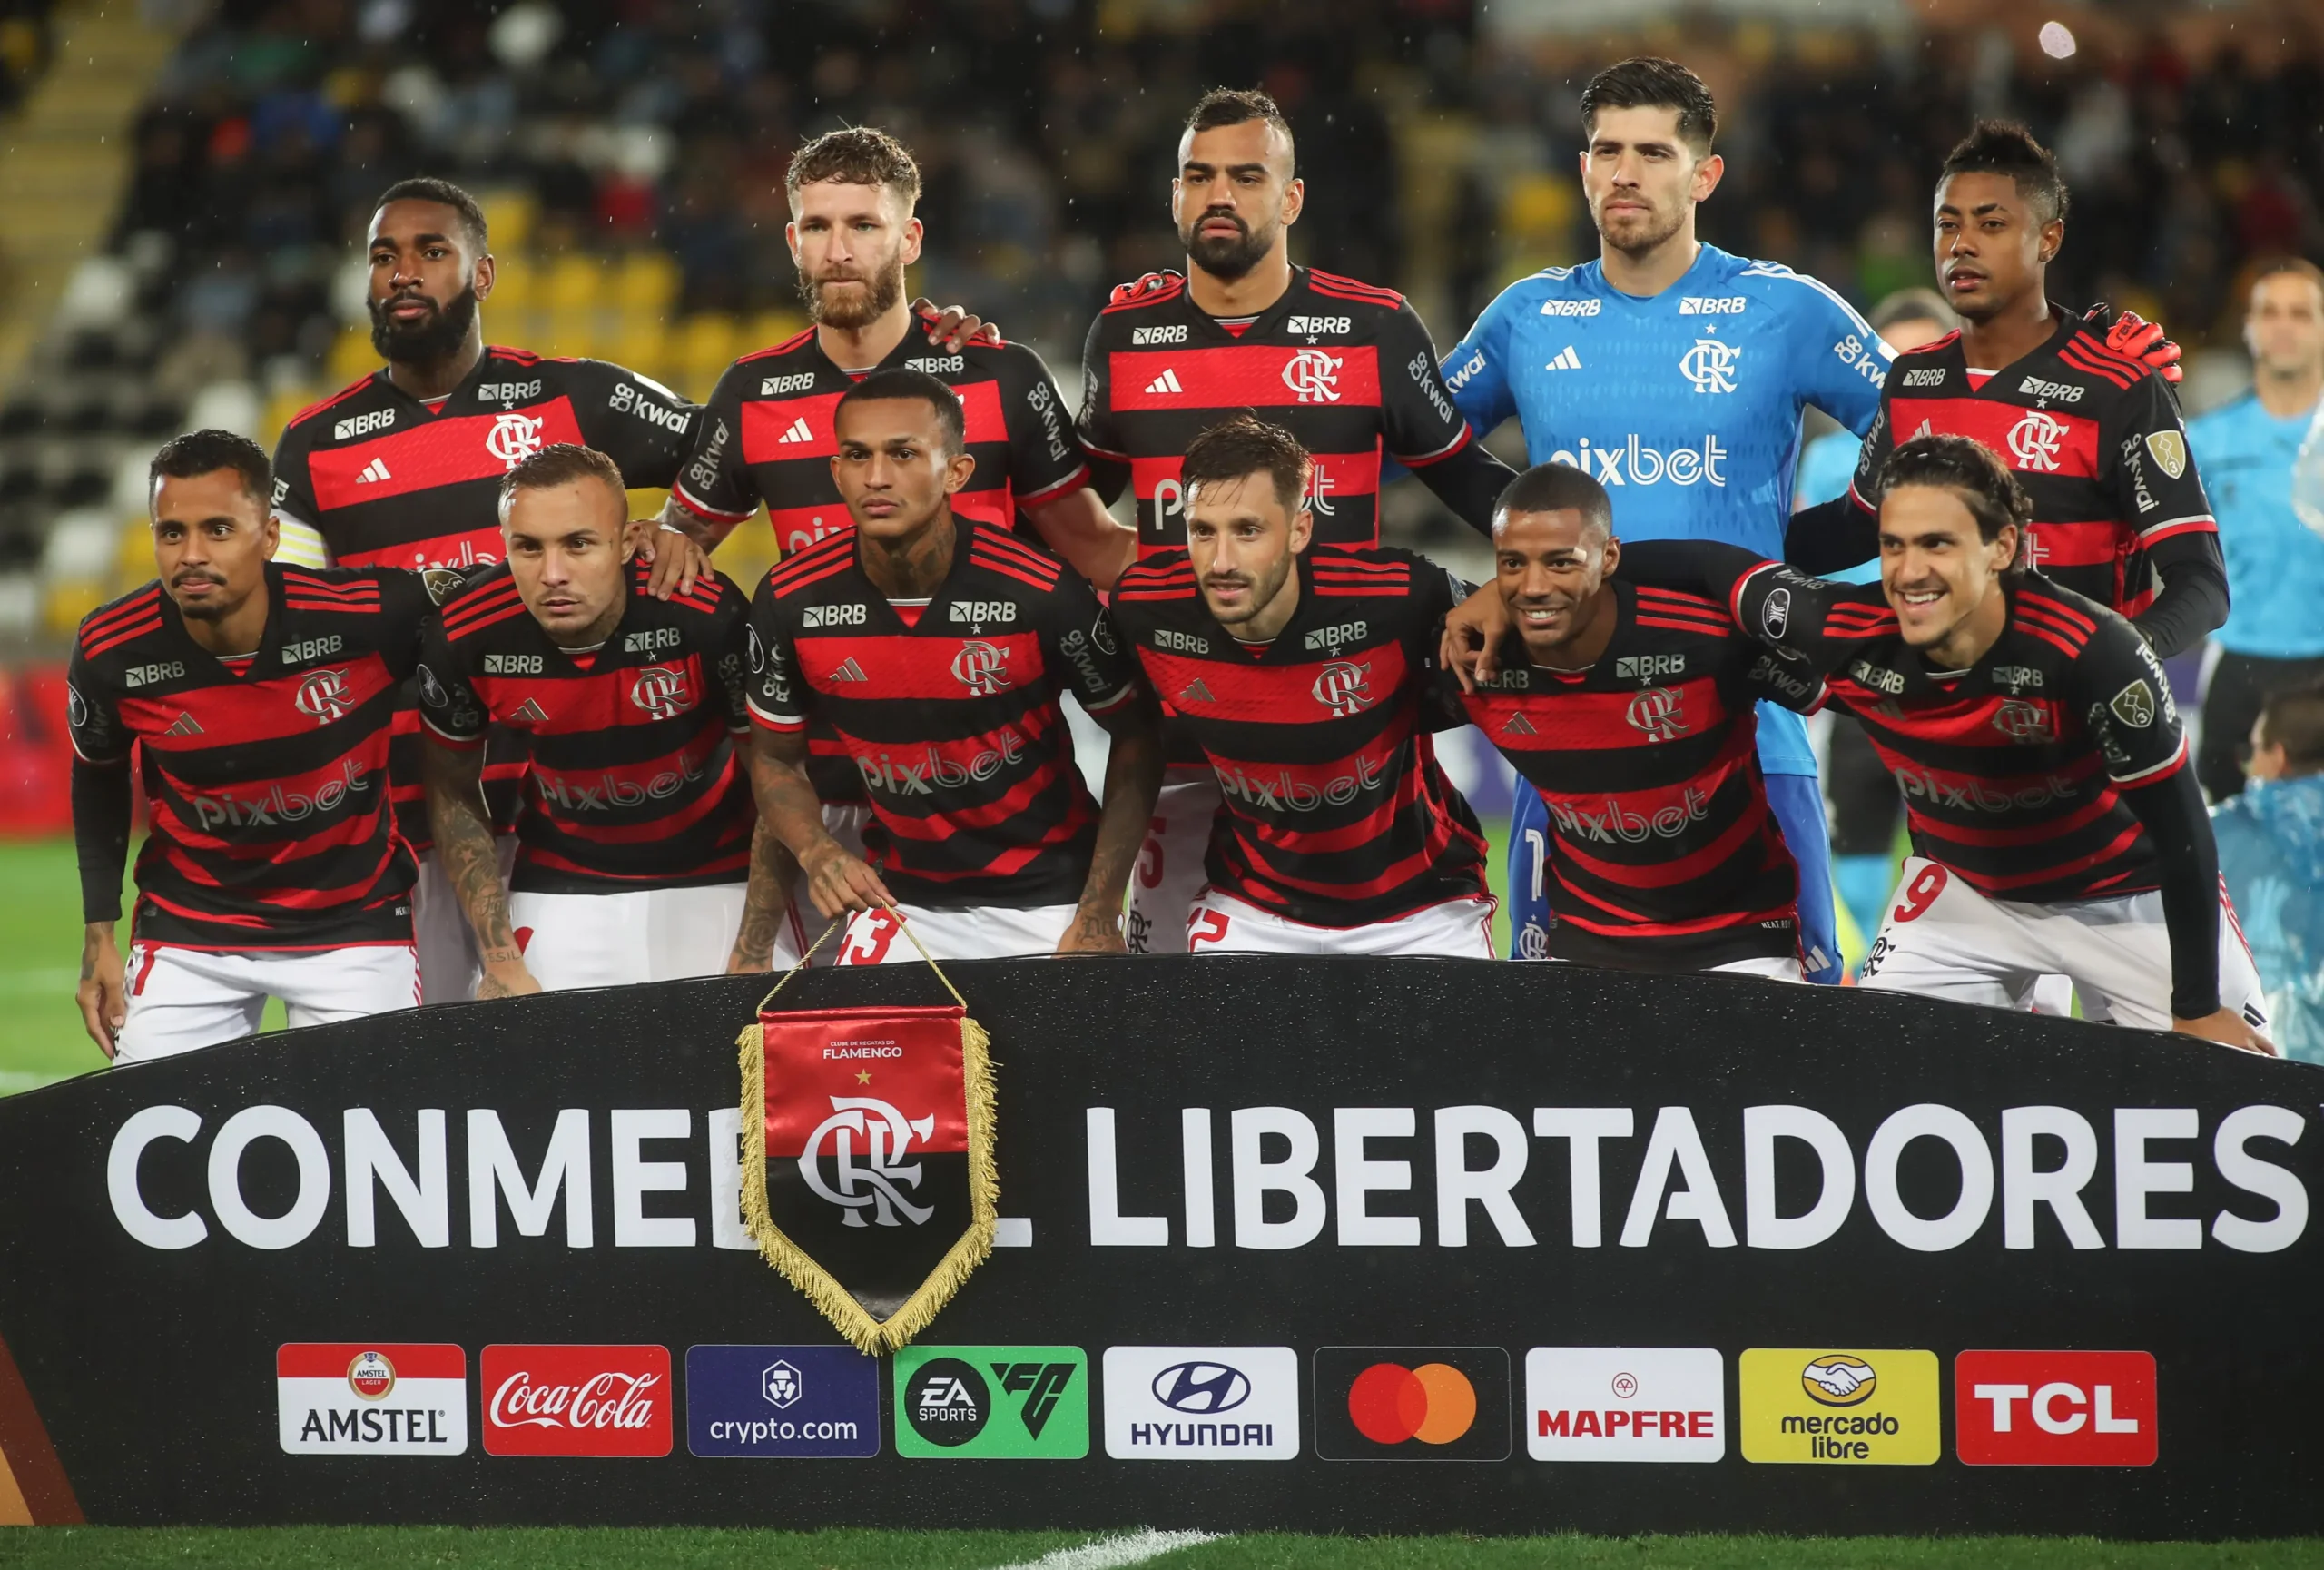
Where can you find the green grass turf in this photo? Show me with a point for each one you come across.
(357, 1549)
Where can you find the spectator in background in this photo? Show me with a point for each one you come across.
(1861, 798)
(2272, 855)
(2274, 634)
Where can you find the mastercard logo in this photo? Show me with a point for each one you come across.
(1390, 1404)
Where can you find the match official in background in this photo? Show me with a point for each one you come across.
(2271, 858)
(258, 697)
(2274, 635)
(635, 844)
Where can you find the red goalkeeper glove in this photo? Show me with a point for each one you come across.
(2133, 335)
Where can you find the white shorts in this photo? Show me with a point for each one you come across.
(1766, 967)
(1943, 938)
(615, 939)
(1458, 929)
(985, 933)
(801, 923)
(448, 967)
(183, 999)
(1169, 875)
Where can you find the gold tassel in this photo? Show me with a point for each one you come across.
(870, 1335)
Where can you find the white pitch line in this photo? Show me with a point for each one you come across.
(1111, 1552)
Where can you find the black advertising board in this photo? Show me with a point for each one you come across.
(1614, 1253)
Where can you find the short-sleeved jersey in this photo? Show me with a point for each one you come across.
(1685, 405)
(951, 720)
(2274, 564)
(2094, 436)
(267, 792)
(1663, 854)
(1337, 813)
(1346, 368)
(636, 781)
(767, 435)
(2012, 771)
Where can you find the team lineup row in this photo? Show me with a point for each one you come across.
(1704, 358)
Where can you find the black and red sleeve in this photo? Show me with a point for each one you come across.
(714, 483)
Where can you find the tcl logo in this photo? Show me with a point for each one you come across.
(576, 1400)
(2055, 1408)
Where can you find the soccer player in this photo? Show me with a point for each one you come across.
(767, 434)
(2274, 637)
(403, 469)
(1347, 367)
(2056, 826)
(635, 845)
(939, 648)
(1304, 671)
(2093, 432)
(258, 696)
(1631, 710)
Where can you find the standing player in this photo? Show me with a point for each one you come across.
(258, 696)
(1631, 710)
(403, 469)
(2093, 432)
(635, 841)
(938, 648)
(2274, 638)
(1348, 369)
(2057, 828)
(1303, 672)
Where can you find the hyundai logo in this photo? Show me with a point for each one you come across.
(1202, 1387)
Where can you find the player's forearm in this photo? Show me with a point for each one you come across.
(709, 535)
(2172, 813)
(2192, 601)
(787, 801)
(764, 897)
(1832, 535)
(101, 811)
(1076, 526)
(1469, 482)
(465, 848)
(1133, 781)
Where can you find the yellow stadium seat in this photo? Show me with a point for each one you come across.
(567, 332)
(351, 356)
(135, 559)
(68, 601)
(279, 408)
(1538, 204)
(647, 282)
(515, 281)
(769, 328)
(509, 215)
(573, 282)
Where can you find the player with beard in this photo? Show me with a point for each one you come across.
(768, 435)
(1347, 367)
(403, 469)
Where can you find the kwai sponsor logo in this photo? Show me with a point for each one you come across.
(576, 1400)
(371, 1398)
(1202, 1403)
(1625, 1404)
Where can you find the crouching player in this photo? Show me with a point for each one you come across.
(1633, 711)
(635, 842)
(938, 648)
(259, 698)
(2056, 824)
(1304, 674)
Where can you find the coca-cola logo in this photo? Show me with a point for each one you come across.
(576, 1400)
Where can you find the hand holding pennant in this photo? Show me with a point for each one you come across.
(868, 1172)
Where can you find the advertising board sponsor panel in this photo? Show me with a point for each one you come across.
(1412, 1403)
(1202, 1403)
(789, 1402)
(2055, 1409)
(1625, 1404)
(1864, 1408)
(576, 1400)
(979, 1403)
(371, 1398)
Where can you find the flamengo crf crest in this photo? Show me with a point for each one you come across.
(868, 1172)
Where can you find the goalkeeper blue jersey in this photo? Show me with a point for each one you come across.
(1685, 405)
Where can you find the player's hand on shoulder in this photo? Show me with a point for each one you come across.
(677, 558)
(840, 883)
(2229, 1029)
(954, 326)
(2128, 332)
(1472, 638)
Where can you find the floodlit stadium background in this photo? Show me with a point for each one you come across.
(183, 188)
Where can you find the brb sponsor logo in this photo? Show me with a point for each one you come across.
(781, 1402)
(1202, 1403)
(2055, 1408)
(1864, 1408)
(1629, 461)
(1412, 1404)
(371, 1398)
(982, 1403)
(1626, 1404)
(576, 1400)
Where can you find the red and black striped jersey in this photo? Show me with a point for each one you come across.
(1346, 368)
(2012, 771)
(1663, 852)
(636, 781)
(269, 820)
(948, 712)
(2095, 437)
(766, 435)
(1337, 813)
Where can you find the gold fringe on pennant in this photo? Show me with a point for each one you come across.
(870, 1335)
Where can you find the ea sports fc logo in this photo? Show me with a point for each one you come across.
(1344, 687)
(513, 438)
(322, 695)
(661, 692)
(982, 667)
(1390, 1404)
(1836, 1379)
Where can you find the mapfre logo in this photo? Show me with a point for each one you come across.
(2055, 1408)
(576, 1400)
(363, 424)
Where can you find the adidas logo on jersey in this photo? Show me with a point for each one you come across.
(373, 473)
(530, 712)
(848, 671)
(1519, 725)
(1567, 359)
(185, 725)
(1166, 382)
(1196, 692)
(798, 432)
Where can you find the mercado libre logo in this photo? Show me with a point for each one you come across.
(1021, 1403)
(1865, 1406)
(1412, 1403)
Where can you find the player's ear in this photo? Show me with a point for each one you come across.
(957, 470)
(1612, 557)
(270, 537)
(486, 270)
(2053, 237)
(1707, 173)
(1303, 528)
(1295, 199)
(914, 231)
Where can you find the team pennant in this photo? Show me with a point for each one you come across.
(868, 1170)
